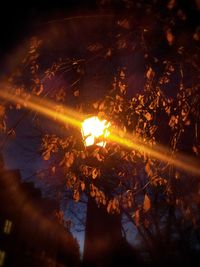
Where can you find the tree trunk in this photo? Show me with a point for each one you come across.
(102, 235)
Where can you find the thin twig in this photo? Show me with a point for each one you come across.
(79, 17)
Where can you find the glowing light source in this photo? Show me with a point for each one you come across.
(93, 129)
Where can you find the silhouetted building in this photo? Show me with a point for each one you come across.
(29, 232)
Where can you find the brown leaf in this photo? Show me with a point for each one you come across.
(124, 24)
(69, 159)
(122, 74)
(148, 116)
(82, 186)
(109, 206)
(109, 53)
(137, 217)
(195, 150)
(95, 105)
(53, 169)
(94, 47)
(177, 175)
(196, 35)
(173, 121)
(41, 88)
(150, 74)
(169, 36)
(94, 173)
(101, 106)
(46, 155)
(93, 190)
(92, 193)
(171, 4)
(146, 203)
(76, 93)
(148, 170)
(121, 44)
(82, 155)
(76, 195)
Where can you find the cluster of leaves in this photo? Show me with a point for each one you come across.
(155, 196)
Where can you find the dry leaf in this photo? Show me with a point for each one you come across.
(169, 36)
(94, 47)
(94, 173)
(76, 93)
(69, 159)
(40, 90)
(148, 116)
(150, 73)
(195, 150)
(171, 4)
(109, 53)
(82, 186)
(124, 24)
(76, 195)
(95, 105)
(46, 155)
(137, 217)
(53, 169)
(148, 170)
(122, 74)
(146, 203)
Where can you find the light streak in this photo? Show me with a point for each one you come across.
(159, 152)
(47, 108)
(75, 119)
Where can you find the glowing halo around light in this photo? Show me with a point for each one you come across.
(93, 129)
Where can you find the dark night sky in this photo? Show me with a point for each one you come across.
(19, 20)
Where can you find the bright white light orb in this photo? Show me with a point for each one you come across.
(93, 129)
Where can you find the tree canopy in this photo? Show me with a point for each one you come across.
(138, 68)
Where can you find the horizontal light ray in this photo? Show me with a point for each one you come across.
(66, 115)
(46, 108)
(183, 162)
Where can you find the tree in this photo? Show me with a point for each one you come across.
(144, 72)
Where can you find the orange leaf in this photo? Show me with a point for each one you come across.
(148, 170)
(82, 186)
(94, 173)
(169, 36)
(76, 195)
(171, 4)
(76, 93)
(69, 159)
(148, 116)
(137, 217)
(146, 203)
(150, 73)
(46, 155)
(124, 24)
(53, 169)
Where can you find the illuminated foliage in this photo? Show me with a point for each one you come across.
(163, 109)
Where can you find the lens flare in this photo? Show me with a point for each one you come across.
(45, 107)
(159, 152)
(93, 129)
